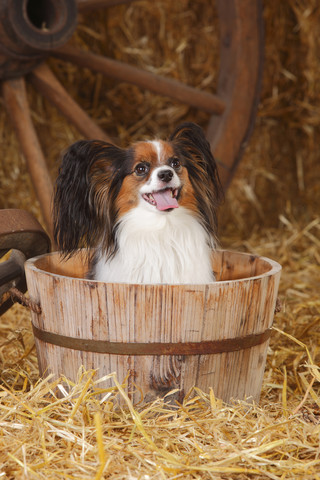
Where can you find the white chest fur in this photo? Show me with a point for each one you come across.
(159, 247)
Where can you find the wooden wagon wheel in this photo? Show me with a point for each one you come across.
(31, 30)
(23, 235)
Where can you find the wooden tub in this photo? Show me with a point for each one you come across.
(166, 336)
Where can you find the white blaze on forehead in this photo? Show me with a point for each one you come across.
(157, 144)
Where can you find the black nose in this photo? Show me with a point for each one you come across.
(165, 175)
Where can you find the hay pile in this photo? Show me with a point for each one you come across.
(83, 434)
(272, 208)
(279, 169)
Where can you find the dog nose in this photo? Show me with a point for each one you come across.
(165, 175)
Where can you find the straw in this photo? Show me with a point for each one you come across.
(85, 434)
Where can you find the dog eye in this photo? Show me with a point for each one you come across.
(175, 163)
(142, 169)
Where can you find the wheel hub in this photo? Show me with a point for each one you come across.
(30, 29)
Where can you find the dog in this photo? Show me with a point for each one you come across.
(148, 212)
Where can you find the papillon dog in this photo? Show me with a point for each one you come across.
(148, 212)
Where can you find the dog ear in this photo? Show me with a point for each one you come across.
(190, 140)
(85, 176)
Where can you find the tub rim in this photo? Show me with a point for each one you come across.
(274, 269)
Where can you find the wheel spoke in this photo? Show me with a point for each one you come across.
(156, 83)
(87, 5)
(45, 81)
(16, 103)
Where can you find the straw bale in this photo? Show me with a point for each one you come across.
(181, 40)
(271, 208)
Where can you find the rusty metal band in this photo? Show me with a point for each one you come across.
(153, 348)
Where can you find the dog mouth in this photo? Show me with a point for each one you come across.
(165, 199)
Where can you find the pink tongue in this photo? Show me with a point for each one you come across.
(165, 200)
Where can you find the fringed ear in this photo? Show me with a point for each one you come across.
(81, 207)
(190, 140)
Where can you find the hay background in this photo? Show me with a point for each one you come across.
(271, 208)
